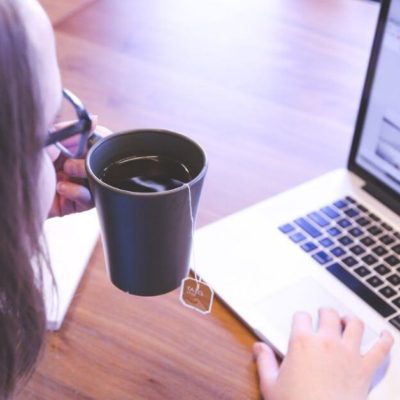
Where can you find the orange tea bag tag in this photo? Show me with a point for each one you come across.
(196, 295)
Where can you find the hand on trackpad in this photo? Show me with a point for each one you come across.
(307, 295)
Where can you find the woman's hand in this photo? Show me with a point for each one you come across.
(72, 192)
(322, 364)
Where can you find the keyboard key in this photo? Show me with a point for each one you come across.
(351, 212)
(396, 248)
(333, 231)
(344, 223)
(367, 241)
(338, 251)
(350, 200)
(318, 219)
(350, 261)
(394, 279)
(361, 290)
(388, 292)
(387, 226)
(340, 203)
(396, 302)
(379, 250)
(375, 281)
(345, 240)
(326, 242)
(392, 260)
(386, 239)
(369, 259)
(382, 269)
(330, 212)
(395, 322)
(357, 250)
(362, 208)
(297, 237)
(374, 217)
(374, 230)
(307, 227)
(362, 271)
(286, 228)
(309, 246)
(356, 232)
(322, 257)
(362, 221)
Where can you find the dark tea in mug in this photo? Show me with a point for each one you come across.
(146, 174)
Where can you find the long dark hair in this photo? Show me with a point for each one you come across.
(22, 315)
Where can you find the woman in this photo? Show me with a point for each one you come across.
(319, 365)
(30, 97)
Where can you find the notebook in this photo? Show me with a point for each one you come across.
(70, 240)
(333, 241)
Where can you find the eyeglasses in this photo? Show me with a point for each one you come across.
(81, 127)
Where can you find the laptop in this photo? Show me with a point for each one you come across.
(333, 241)
(70, 241)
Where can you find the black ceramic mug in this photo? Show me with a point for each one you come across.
(147, 237)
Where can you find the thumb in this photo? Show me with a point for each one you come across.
(268, 367)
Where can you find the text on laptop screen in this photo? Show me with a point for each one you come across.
(379, 149)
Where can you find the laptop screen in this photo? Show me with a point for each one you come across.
(377, 149)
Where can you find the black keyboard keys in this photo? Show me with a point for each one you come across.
(392, 260)
(374, 230)
(361, 290)
(362, 271)
(394, 279)
(369, 259)
(379, 250)
(388, 292)
(362, 221)
(367, 241)
(386, 239)
(374, 281)
(357, 250)
(382, 269)
(350, 261)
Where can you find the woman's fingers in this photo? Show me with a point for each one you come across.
(267, 365)
(75, 193)
(353, 331)
(379, 351)
(75, 168)
(301, 323)
(329, 322)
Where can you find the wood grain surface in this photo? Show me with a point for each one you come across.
(271, 90)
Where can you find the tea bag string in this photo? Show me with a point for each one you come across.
(192, 229)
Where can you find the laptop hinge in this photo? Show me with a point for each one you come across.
(383, 196)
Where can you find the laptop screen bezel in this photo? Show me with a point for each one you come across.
(369, 80)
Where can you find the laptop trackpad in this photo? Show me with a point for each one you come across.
(305, 295)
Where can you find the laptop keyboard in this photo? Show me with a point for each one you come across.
(356, 247)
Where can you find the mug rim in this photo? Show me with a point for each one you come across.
(115, 136)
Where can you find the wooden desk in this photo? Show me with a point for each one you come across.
(271, 89)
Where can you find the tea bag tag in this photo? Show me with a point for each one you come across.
(196, 295)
